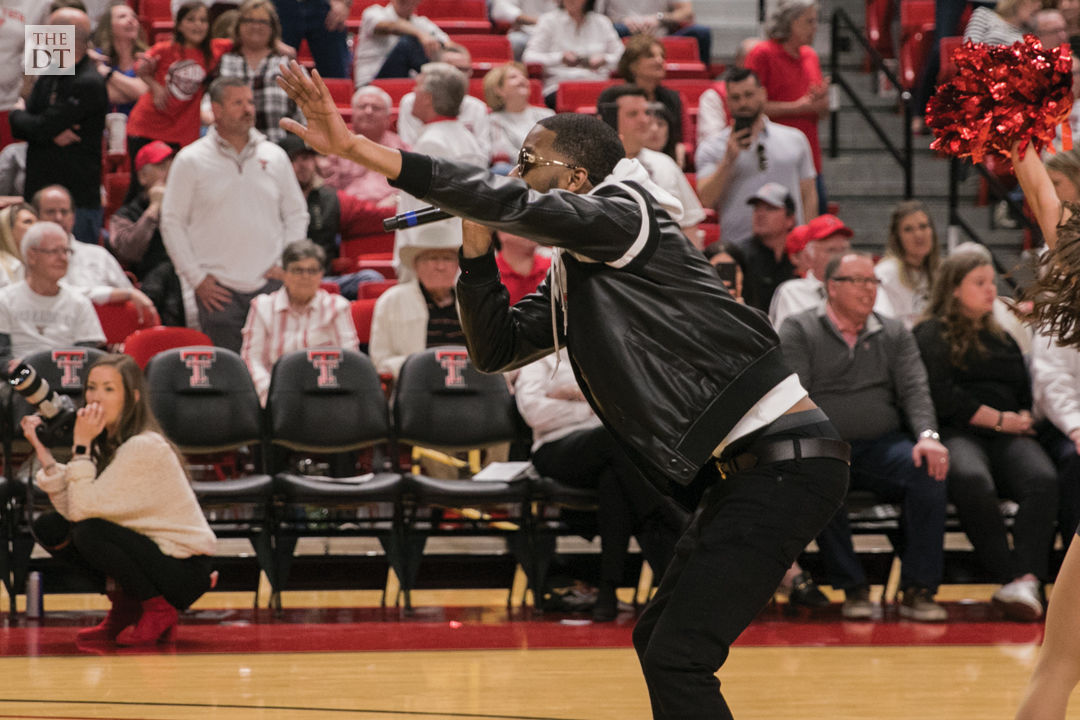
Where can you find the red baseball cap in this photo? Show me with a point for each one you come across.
(796, 240)
(152, 154)
(825, 226)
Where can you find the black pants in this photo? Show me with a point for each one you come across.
(746, 533)
(129, 557)
(984, 469)
(628, 503)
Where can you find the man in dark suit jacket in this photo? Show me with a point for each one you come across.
(63, 122)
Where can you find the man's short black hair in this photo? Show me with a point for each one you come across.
(738, 74)
(587, 141)
(607, 104)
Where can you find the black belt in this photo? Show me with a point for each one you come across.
(768, 451)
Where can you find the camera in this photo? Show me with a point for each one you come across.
(57, 410)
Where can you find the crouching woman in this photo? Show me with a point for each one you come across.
(124, 508)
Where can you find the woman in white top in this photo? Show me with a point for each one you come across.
(506, 91)
(573, 43)
(15, 220)
(912, 256)
(125, 508)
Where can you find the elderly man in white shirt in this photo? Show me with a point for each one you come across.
(92, 270)
(473, 112)
(231, 205)
(439, 93)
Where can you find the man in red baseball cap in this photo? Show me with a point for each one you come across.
(135, 237)
(824, 237)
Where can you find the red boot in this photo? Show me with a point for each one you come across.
(125, 611)
(158, 623)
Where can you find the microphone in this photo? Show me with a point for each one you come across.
(413, 218)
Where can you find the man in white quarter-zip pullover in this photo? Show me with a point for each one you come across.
(231, 206)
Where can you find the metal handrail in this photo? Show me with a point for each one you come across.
(903, 156)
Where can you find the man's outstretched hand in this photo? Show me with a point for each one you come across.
(326, 131)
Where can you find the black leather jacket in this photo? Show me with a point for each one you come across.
(669, 361)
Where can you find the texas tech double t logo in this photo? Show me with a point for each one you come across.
(199, 362)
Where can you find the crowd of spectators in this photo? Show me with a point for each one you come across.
(233, 226)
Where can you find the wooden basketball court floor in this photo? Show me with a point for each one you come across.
(463, 655)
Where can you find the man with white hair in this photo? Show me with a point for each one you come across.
(440, 89)
(371, 107)
(63, 122)
(473, 112)
(91, 269)
(39, 312)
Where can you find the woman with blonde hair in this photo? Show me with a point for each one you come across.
(981, 390)
(15, 220)
(912, 257)
(124, 508)
(506, 91)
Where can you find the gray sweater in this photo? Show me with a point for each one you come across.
(877, 387)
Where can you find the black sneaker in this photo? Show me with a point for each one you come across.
(917, 603)
(806, 593)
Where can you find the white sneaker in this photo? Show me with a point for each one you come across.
(1020, 600)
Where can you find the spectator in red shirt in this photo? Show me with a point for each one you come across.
(790, 72)
(176, 71)
(520, 266)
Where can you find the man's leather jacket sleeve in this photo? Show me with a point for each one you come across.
(501, 337)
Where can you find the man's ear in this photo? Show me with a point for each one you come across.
(579, 181)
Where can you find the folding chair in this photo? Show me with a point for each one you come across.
(329, 402)
(206, 403)
(442, 404)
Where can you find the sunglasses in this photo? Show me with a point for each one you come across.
(526, 161)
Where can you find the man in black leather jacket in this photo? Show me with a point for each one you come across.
(690, 382)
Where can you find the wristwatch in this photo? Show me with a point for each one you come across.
(80, 450)
(931, 434)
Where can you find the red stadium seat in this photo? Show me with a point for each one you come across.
(367, 244)
(373, 290)
(331, 287)
(145, 344)
(396, 88)
(683, 59)
(916, 39)
(156, 16)
(580, 96)
(362, 310)
(356, 12)
(487, 51)
(119, 320)
(341, 89)
(457, 16)
(879, 17)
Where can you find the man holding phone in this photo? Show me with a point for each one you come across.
(752, 151)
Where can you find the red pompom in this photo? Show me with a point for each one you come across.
(1001, 95)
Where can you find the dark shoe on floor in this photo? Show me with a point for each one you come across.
(607, 604)
(805, 593)
(918, 604)
(857, 605)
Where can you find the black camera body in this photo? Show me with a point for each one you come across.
(56, 410)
